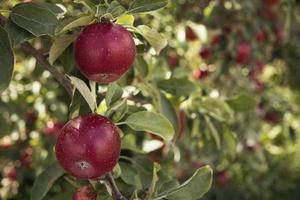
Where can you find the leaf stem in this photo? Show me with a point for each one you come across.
(115, 190)
(120, 123)
(71, 182)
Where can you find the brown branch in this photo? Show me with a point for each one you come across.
(60, 77)
(115, 191)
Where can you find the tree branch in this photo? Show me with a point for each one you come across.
(60, 77)
(115, 191)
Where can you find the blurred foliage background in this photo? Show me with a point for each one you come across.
(230, 70)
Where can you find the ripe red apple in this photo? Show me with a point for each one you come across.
(222, 178)
(10, 173)
(26, 158)
(216, 39)
(272, 117)
(200, 74)
(104, 52)
(270, 2)
(30, 116)
(173, 58)
(190, 34)
(88, 146)
(260, 36)
(84, 193)
(243, 53)
(53, 128)
(206, 53)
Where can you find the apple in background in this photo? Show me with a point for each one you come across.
(260, 36)
(272, 117)
(26, 158)
(270, 2)
(190, 34)
(84, 193)
(259, 86)
(10, 173)
(222, 178)
(30, 116)
(53, 128)
(243, 53)
(200, 74)
(216, 39)
(279, 35)
(206, 53)
(173, 58)
(259, 66)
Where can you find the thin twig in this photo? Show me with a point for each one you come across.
(115, 191)
(60, 77)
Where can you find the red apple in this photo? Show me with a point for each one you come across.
(26, 158)
(88, 146)
(260, 36)
(53, 128)
(200, 74)
(259, 66)
(84, 193)
(104, 52)
(190, 34)
(272, 117)
(243, 53)
(259, 86)
(216, 39)
(270, 2)
(30, 116)
(222, 178)
(10, 173)
(206, 53)
(173, 59)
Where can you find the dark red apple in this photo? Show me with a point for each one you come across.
(259, 66)
(30, 116)
(222, 178)
(260, 36)
(259, 86)
(10, 173)
(26, 158)
(270, 2)
(243, 53)
(88, 146)
(216, 39)
(53, 128)
(190, 34)
(104, 52)
(85, 193)
(173, 59)
(206, 53)
(200, 74)
(272, 117)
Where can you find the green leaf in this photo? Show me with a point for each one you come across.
(57, 11)
(59, 46)
(242, 103)
(73, 23)
(177, 87)
(113, 94)
(125, 20)
(156, 40)
(85, 91)
(116, 9)
(130, 175)
(141, 66)
(138, 6)
(194, 188)
(229, 141)
(129, 142)
(45, 181)
(168, 110)
(151, 122)
(35, 19)
(7, 60)
(118, 110)
(88, 4)
(213, 131)
(16, 34)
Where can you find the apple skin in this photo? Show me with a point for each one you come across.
(205, 53)
(200, 74)
(84, 193)
(270, 2)
(88, 146)
(53, 128)
(173, 59)
(216, 39)
(104, 52)
(260, 36)
(222, 178)
(243, 53)
(190, 34)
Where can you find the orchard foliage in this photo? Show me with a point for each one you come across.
(149, 99)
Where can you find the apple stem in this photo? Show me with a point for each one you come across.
(115, 190)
